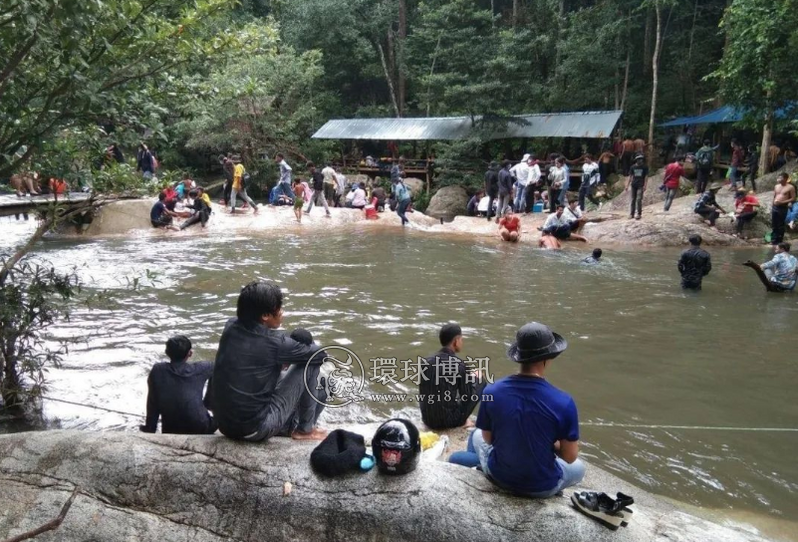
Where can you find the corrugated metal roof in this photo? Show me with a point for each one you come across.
(587, 124)
(725, 114)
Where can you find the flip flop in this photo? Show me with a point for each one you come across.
(597, 506)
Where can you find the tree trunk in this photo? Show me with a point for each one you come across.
(690, 68)
(401, 78)
(655, 82)
(647, 43)
(626, 79)
(767, 135)
(389, 79)
(516, 7)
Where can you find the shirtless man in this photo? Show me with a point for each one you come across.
(784, 197)
(628, 151)
(640, 145)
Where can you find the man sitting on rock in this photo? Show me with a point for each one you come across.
(527, 437)
(707, 206)
(557, 225)
(253, 399)
(175, 393)
(450, 392)
(160, 216)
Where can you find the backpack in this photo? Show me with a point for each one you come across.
(245, 178)
(704, 158)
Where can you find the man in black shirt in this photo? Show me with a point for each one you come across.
(707, 206)
(253, 398)
(449, 396)
(317, 183)
(175, 393)
(694, 265)
(638, 174)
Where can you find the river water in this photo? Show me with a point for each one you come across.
(641, 351)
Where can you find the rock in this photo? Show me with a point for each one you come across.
(170, 488)
(120, 217)
(416, 186)
(766, 183)
(622, 202)
(448, 202)
(658, 228)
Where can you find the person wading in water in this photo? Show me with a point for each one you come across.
(694, 265)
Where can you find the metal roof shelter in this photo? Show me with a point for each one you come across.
(587, 124)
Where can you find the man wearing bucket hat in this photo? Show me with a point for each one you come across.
(707, 206)
(527, 439)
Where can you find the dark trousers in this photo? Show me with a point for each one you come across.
(691, 285)
(743, 219)
(586, 191)
(708, 213)
(779, 217)
(702, 179)
(291, 406)
(637, 200)
(401, 208)
(604, 172)
(228, 189)
(201, 217)
(626, 162)
(492, 196)
(560, 232)
(669, 197)
(752, 175)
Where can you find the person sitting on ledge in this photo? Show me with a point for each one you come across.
(779, 274)
(575, 216)
(527, 436)
(509, 226)
(202, 209)
(253, 398)
(451, 392)
(160, 216)
(558, 226)
(707, 206)
(175, 393)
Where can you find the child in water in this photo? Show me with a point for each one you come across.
(299, 198)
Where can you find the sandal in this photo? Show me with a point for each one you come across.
(612, 513)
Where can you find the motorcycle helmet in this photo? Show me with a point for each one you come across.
(396, 446)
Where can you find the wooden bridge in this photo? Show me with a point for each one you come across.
(11, 204)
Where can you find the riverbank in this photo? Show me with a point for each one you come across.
(207, 488)
(609, 226)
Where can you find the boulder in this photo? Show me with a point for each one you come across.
(170, 488)
(416, 186)
(766, 183)
(448, 202)
(120, 217)
(622, 202)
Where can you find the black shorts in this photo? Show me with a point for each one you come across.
(162, 222)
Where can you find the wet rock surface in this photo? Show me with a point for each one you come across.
(168, 488)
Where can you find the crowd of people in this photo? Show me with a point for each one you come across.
(264, 383)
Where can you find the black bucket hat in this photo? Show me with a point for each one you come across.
(536, 342)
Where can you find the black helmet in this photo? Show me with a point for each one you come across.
(396, 446)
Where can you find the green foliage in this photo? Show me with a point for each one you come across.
(33, 296)
(759, 63)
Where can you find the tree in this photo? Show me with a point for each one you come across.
(69, 62)
(759, 62)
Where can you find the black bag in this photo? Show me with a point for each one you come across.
(245, 180)
(339, 453)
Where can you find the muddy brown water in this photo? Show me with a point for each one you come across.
(641, 351)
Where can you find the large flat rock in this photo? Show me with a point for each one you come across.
(165, 488)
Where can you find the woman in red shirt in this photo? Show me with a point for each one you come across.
(745, 206)
(510, 226)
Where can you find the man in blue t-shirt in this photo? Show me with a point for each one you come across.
(527, 436)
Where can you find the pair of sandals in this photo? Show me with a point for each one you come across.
(611, 513)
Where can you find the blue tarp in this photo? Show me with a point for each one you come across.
(725, 114)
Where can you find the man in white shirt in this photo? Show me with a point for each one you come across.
(330, 184)
(340, 179)
(558, 225)
(590, 177)
(556, 181)
(521, 173)
(575, 217)
(285, 176)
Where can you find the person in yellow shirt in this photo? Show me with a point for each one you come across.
(239, 187)
(201, 209)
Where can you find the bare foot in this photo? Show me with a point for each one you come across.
(315, 434)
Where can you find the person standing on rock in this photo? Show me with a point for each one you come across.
(506, 181)
(556, 181)
(737, 161)
(450, 393)
(492, 186)
(240, 188)
(627, 152)
(707, 205)
(784, 196)
(638, 176)
(253, 398)
(317, 180)
(521, 173)
(694, 264)
(752, 163)
(175, 393)
(705, 160)
(403, 200)
(673, 175)
(527, 436)
(590, 178)
(330, 185)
